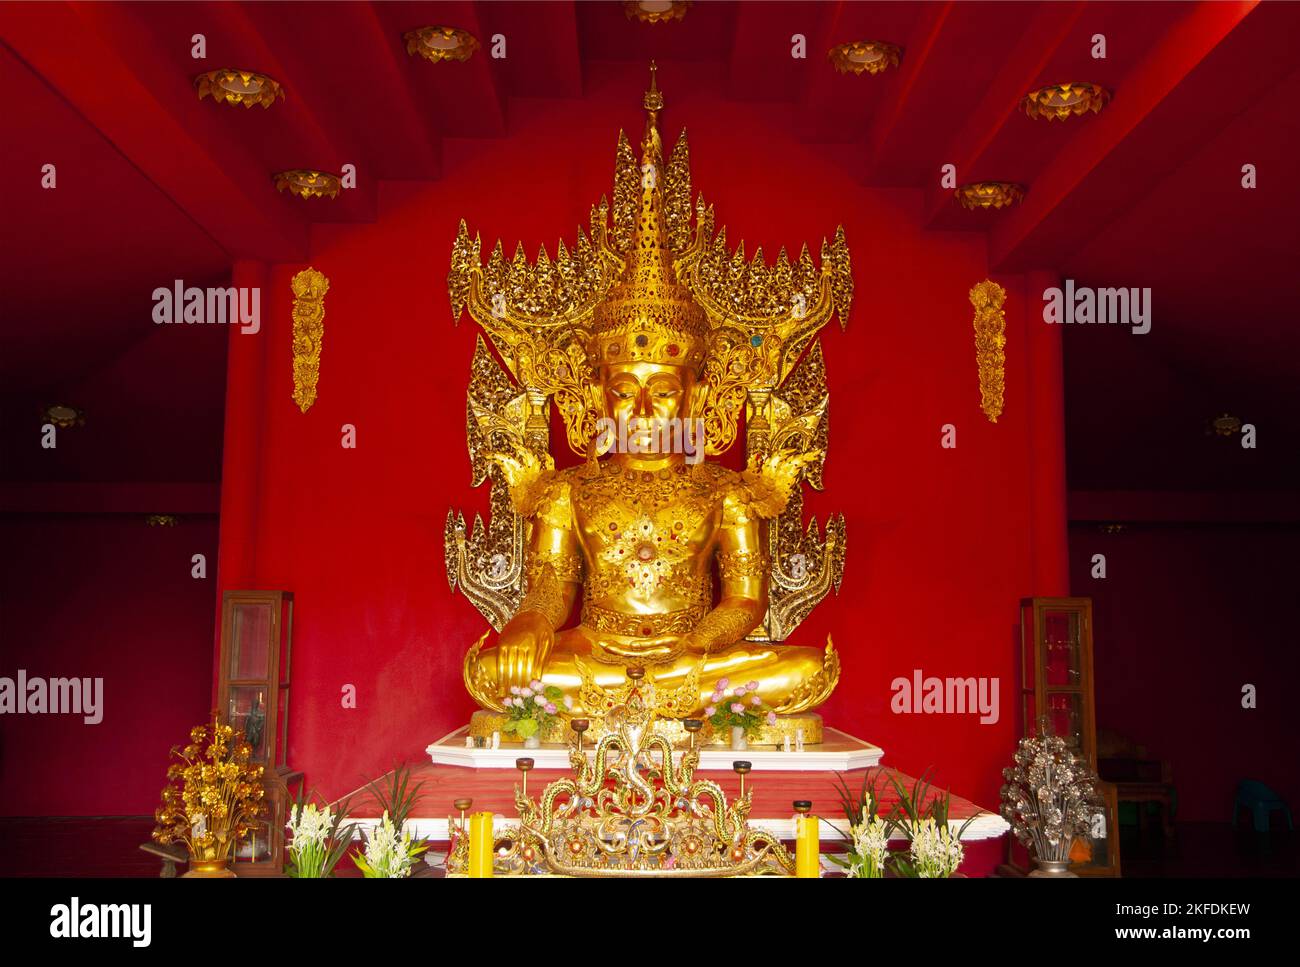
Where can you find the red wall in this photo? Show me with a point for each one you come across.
(108, 597)
(941, 542)
(1186, 615)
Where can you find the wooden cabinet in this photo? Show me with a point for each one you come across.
(253, 696)
(1056, 670)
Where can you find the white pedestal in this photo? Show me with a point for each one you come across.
(838, 751)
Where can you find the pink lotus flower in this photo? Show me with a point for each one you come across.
(752, 686)
(771, 718)
(723, 683)
(739, 692)
(737, 707)
(716, 697)
(535, 685)
(514, 689)
(709, 711)
(756, 700)
(526, 692)
(568, 701)
(550, 708)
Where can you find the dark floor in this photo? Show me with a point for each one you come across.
(109, 846)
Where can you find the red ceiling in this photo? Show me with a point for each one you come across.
(154, 183)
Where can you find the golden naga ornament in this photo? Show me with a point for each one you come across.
(309, 288)
(990, 344)
(635, 809)
(651, 337)
(239, 87)
(1060, 101)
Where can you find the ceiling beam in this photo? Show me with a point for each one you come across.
(224, 195)
(1050, 26)
(1145, 131)
(915, 55)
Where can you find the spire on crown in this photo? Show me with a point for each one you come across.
(648, 316)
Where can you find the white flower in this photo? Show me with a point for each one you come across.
(870, 843)
(526, 692)
(936, 852)
(568, 701)
(388, 850)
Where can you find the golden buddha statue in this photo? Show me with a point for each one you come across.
(650, 338)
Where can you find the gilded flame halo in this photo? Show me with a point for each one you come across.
(1060, 101)
(228, 86)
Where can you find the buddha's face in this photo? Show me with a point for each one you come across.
(645, 397)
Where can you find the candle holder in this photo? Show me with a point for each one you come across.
(692, 726)
(742, 768)
(523, 765)
(463, 806)
(579, 726)
(803, 806)
(636, 673)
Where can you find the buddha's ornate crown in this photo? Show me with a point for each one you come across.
(647, 286)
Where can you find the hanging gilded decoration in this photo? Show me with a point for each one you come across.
(308, 183)
(437, 44)
(655, 11)
(309, 288)
(989, 194)
(239, 87)
(990, 342)
(161, 520)
(864, 57)
(1062, 100)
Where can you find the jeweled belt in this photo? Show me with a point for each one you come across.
(641, 626)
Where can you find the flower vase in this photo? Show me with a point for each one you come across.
(533, 741)
(209, 869)
(739, 742)
(1053, 868)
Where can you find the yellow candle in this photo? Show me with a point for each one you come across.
(807, 847)
(480, 844)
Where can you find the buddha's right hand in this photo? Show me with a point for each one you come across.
(523, 648)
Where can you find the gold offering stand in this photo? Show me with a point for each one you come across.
(628, 812)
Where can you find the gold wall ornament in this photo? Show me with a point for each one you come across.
(990, 344)
(438, 44)
(309, 288)
(1059, 101)
(307, 183)
(864, 57)
(636, 809)
(655, 11)
(161, 520)
(239, 87)
(989, 194)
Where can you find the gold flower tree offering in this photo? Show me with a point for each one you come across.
(213, 797)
